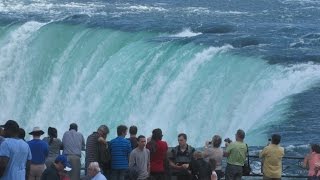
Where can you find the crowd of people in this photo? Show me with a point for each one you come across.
(133, 158)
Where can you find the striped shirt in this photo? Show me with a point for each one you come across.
(120, 150)
(92, 148)
(73, 143)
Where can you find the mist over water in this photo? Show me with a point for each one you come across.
(56, 69)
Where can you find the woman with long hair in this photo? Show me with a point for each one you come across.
(55, 145)
(158, 153)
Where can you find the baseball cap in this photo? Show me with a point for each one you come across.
(11, 124)
(64, 161)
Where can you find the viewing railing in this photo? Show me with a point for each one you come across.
(291, 166)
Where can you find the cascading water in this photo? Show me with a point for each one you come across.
(52, 74)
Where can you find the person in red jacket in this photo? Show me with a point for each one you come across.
(158, 153)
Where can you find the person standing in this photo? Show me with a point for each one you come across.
(158, 154)
(73, 143)
(120, 149)
(133, 130)
(214, 151)
(39, 150)
(272, 159)
(55, 145)
(311, 162)
(140, 157)
(236, 154)
(181, 157)
(97, 148)
(15, 154)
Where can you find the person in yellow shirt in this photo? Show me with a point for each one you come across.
(272, 159)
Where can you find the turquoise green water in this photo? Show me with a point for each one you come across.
(53, 74)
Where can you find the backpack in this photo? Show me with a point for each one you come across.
(104, 155)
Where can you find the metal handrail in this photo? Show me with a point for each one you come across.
(285, 168)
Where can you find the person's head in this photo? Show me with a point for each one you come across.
(315, 148)
(36, 132)
(22, 133)
(52, 132)
(122, 130)
(73, 126)
(197, 155)
(156, 134)
(103, 131)
(275, 139)
(61, 163)
(182, 139)
(93, 169)
(216, 141)
(11, 129)
(142, 141)
(213, 164)
(240, 135)
(133, 130)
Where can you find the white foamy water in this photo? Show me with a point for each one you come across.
(186, 33)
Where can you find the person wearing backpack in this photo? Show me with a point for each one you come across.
(200, 169)
(97, 149)
(180, 158)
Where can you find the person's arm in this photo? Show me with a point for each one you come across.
(171, 162)
(262, 153)
(214, 176)
(129, 149)
(102, 140)
(170, 156)
(46, 150)
(28, 163)
(306, 161)
(131, 159)
(4, 157)
(3, 164)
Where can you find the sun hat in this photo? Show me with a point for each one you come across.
(11, 124)
(36, 130)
